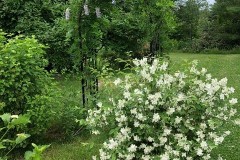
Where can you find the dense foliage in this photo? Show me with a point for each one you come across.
(22, 74)
(8, 124)
(226, 23)
(41, 18)
(25, 87)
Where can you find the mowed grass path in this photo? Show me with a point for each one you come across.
(219, 66)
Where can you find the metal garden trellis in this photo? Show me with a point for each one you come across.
(89, 14)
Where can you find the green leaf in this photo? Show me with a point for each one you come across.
(2, 146)
(29, 155)
(8, 141)
(21, 120)
(21, 137)
(6, 117)
(40, 148)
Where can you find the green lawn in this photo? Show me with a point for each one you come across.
(220, 66)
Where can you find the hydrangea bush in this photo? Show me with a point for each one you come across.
(164, 115)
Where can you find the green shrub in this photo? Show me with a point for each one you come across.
(25, 87)
(58, 46)
(22, 74)
(165, 115)
(8, 124)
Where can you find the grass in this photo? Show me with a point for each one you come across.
(220, 66)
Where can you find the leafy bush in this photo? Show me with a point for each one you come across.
(25, 87)
(21, 73)
(164, 115)
(36, 154)
(58, 45)
(8, 124)
(44, 19)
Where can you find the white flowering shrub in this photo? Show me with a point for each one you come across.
(164, 115)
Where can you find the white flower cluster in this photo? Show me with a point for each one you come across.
(163, 115)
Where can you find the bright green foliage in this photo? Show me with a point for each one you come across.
(25, 87)
(41, 18)
(7, 125)
(22, 75)
(36, 153)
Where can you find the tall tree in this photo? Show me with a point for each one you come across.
(226, 23)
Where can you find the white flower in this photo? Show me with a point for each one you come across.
(222, 96)
(207, 157)
(117, 81)
(146, 75)
(133, 111)
(94, 158)
(170, 111)
(237, 122)
(128, 86)
(141, 117)
(227, 132)
(164, 66)
(148, 149)
(136, 138)
(136, 62)
(220, 158)
(151, 107)
(150, 139)
(156, 117)
(165, 157)
(145, 157)
(113, 2)
(112, 144)
(223, 82)
(163, 140)
(121, 103)
(218, 140)
(181, 97)
(208, 76)
(233, 111)
(98, 12)
(199, 152)
(96, 132)
(67, 14)
(127, 95)
(125, 131)
(204, 145)
(122, 118)
(233, 101)
(138, 92)
(166, 131)
(132, 148)
(231, 90)
(103, 155)
(143, 62)
(130, 156)
(186, 147)
(136, 124)
(14, 116)
(99, 104)
(203, 71)
(178, 120)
